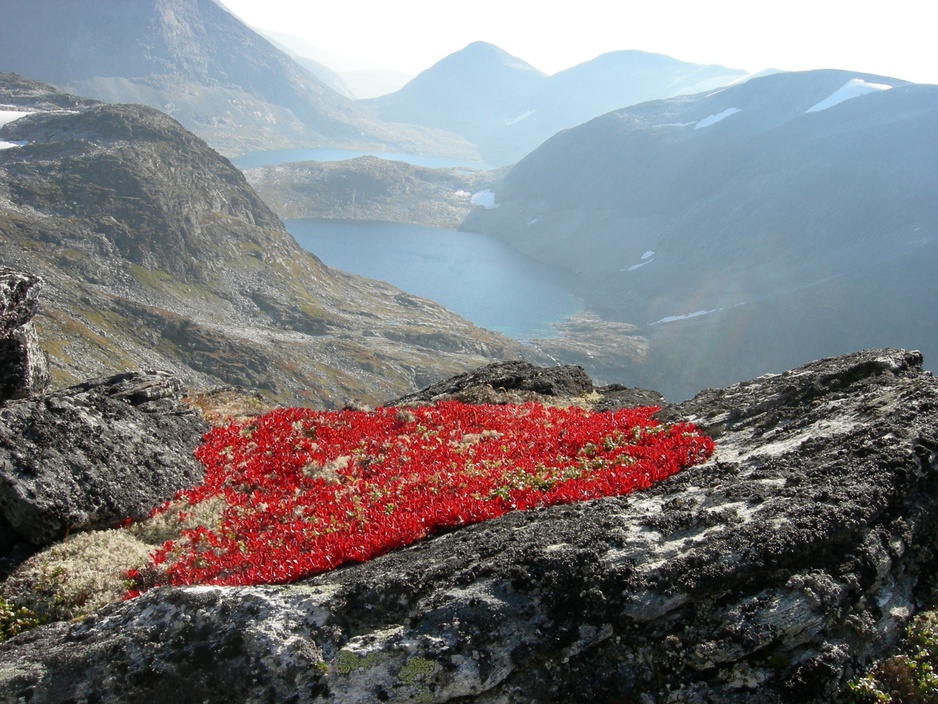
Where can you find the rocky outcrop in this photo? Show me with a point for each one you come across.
(24, 369)
(92, 455)
(768, 574)
(505, 382)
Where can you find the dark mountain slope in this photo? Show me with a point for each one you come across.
(157, 254)
(197, 62)
(508, 108)
(767, 214)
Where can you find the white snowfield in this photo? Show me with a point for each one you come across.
(713, 119)
(853, 88)
(484, 198)
(522, 116)
(6, 117)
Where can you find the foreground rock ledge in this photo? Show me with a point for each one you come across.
(91, 455)
(769, 574)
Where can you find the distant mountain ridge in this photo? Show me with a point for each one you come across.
(196, 61)
(359, 79)
(330, 78)
(507, 107)
(745, 229)
(472, 92)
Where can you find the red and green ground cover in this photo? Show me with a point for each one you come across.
(303, 491)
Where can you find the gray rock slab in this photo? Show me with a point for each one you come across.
(94, 454)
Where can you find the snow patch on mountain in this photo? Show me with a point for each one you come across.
(522, 116)
(713, 119)
(853, 88)
(647, 258)
(695, 314)
(484, 198)
(7, 116)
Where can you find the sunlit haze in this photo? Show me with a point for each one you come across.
(892, 39)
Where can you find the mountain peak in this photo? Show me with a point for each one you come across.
(483, 55)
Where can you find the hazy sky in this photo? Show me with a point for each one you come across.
(895, 38)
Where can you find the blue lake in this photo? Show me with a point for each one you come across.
(254, 160)
(473, 275)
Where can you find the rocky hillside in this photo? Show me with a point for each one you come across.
(369, 188)
(156, 253)
(772, 573)
(198, 63)
(742, 230)
(507, 107)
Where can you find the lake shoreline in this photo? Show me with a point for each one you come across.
(476, 276)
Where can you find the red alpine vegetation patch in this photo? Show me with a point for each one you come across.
(304, 491)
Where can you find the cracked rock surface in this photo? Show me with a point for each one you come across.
(771, 573)
(93, 454)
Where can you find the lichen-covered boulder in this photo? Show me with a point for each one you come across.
(771, 573)
(24, 368)
(92, 455)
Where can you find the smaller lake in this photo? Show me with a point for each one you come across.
(473, 275)
(253, 160)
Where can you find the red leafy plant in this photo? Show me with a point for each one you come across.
(303, 491)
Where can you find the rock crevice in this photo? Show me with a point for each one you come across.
(24, 369)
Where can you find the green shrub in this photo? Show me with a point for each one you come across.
(15, 619)
(908, 677)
